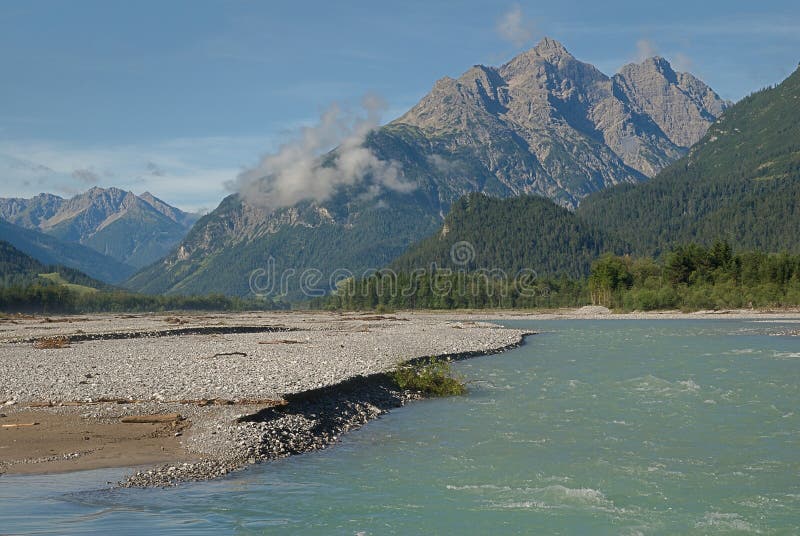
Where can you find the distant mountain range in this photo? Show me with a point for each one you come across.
(132, 230)
(544, 123)
(541, 163)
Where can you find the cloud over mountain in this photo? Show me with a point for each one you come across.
(515, 28)
(301, 170)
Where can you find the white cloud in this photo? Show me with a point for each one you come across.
(645, 49)
(515, 28)
(444, 165)
(298, 171)
(193, 173)
(681, 62)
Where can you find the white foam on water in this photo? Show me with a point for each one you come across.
(522, 505)
(786, 355)
(760, 501)
(650, 384)
(557, 497)
(726, 521)
(662, 470)
(479, 487)
(554, 495)
(537, 441)
(690, 385)
(588, 495)
(554, 478)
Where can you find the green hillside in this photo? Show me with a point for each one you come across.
(383, 232)
(49, 250)
(27, 285)
(58, 279)
(526, 232)
(19, 269)
(740, 183)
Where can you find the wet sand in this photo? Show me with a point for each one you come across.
(63, 441)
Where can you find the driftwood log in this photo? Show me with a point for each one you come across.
(19, 425)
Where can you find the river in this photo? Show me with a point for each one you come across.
(592, 427)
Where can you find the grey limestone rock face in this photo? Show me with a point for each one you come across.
(582, 130)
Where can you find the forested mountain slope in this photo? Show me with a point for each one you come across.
(526, 232)
(740, 183)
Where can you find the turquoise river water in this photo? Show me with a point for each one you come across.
(592, 427)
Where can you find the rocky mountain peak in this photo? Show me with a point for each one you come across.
(550, 48)
(547, 52)
(549, 66)
(48, 197)
(619, 129)
(656, 66)
(681, 105)
(173, 213)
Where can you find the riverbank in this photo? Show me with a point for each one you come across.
(223, 390)
(226, 390)
(593, 312)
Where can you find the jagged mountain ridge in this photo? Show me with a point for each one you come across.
(577, 130)
(544, 123)
(135, 230)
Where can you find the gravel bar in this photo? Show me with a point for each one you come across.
(283, 383)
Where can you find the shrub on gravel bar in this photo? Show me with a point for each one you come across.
(432, 377)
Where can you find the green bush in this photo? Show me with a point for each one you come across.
(433, 377)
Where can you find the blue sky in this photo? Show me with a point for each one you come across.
(179, 97)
